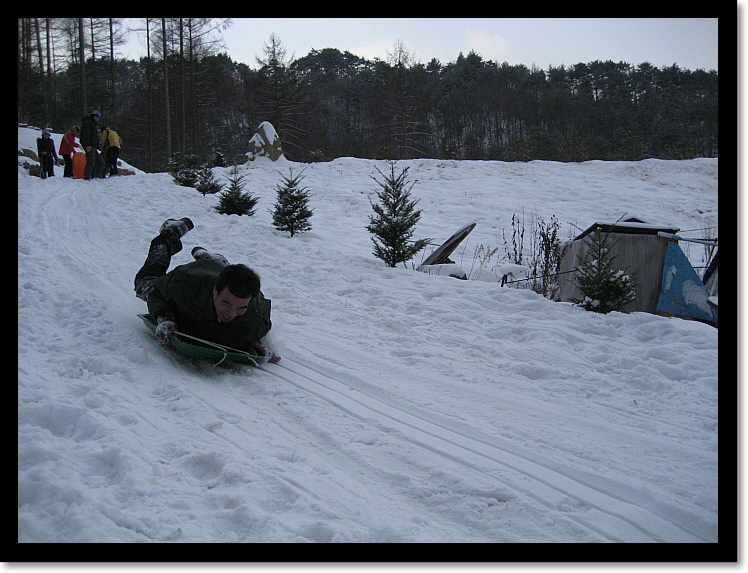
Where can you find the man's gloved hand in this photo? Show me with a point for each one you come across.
(166, 327)
(260, 351)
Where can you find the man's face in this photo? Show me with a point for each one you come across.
(228, 306)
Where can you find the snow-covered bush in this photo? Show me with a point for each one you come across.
(547, 252)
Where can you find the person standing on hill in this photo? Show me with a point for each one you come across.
(67, 148)
(90, 139)
(45, 148)
(111, 142)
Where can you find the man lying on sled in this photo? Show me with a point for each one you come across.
(208, 298)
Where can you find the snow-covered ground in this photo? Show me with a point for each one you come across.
(407, 407)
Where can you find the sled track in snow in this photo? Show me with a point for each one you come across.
(615, 511)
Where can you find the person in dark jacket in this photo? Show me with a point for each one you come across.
(45, 148)
(207, 298)
(90, 139)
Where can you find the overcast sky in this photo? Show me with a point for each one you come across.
(691, 43)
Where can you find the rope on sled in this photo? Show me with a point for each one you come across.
(224, 349)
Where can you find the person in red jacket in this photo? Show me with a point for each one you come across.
(67, 148)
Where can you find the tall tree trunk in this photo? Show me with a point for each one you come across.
(183, 123)
(111, 69)
(82, 52)
(193, 105)
(150, 95)
(167, 111)
(51, 81)
(45, 89)
(93, 66)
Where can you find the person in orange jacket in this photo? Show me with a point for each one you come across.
(67, 148)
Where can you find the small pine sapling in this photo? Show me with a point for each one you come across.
(207, 183)
(395, 219)
(219, 160)
(292, 212)
(184, 169)
(604, 287)
(234, 201)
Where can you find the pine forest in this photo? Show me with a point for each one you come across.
(188, 96)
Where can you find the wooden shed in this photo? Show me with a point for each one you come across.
(666, 282)
(638, 251)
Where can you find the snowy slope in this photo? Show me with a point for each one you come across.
(407, 407)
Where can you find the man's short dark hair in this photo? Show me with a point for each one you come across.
(241, 281)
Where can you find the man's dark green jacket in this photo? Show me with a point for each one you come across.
(187, 294)
(89, 134)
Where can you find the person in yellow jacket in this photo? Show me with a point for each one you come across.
(111, 142)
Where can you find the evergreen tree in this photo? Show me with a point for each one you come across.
(234, 201)
(395, 219)
(604, 288)
(332, 104)
(219, 160)
(207, 183)
(184, 169)
(291, 211)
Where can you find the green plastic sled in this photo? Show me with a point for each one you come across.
(194, 349)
